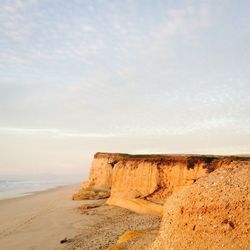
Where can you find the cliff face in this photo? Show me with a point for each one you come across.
(101, 171)
(155, 179)
(211, 214)
(100, 178)
(144, 182)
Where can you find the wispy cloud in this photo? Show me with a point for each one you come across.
(12, 17)
(93, 69)
(186, 20)
(183, 129)
(53, 132)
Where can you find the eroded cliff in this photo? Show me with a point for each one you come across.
(143, 182)
(203, 200)
(98, 185)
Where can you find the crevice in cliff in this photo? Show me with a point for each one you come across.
(113, 163)
(158, 189)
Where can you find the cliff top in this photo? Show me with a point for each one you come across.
(172, 156)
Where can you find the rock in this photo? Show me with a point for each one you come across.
(89, 206)
(64, 241)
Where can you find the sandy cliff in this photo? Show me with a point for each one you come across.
(142, 183)
(203, 200)
(100, 178)
(214, 213)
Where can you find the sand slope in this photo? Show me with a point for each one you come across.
(213, 213)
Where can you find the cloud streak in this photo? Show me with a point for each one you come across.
(193, 127)
(113, 71)
(52, 132)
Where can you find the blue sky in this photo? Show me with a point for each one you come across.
(137, 76)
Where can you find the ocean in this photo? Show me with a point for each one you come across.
(11, 188)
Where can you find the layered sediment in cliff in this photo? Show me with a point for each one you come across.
(143, 182)
(211, 214)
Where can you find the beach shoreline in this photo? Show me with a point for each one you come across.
(20, 187)
(39, 220)
(28, 194)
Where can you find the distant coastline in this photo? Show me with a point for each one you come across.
(10, 188)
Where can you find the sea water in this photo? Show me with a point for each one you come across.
(11, 188)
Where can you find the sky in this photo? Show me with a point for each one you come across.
(141, 76)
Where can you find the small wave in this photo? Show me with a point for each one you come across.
(17, 188)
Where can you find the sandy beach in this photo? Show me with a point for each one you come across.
(42, 220)
(107, 223)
